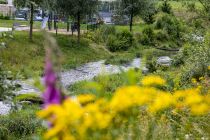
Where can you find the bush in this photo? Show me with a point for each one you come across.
(6, 84)
(149, 18)
(101, 34)
(122, 41)
(147, 36)
(105, 31)
(20, 124)
(197, 62)
(171, 26)
(166, 7)
(3, 2)
(4, 17)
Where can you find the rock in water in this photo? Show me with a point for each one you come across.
(164, 61)
(4, 108)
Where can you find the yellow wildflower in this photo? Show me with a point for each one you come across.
(162, 101)
(194, 81)
(192, 99)
(85, 98)
(200, 109)
(153, 80)
(208, 67)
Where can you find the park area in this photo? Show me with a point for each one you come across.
(104, 69)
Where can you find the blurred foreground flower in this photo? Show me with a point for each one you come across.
(88, 117)
(52, 95)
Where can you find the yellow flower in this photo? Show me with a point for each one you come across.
(200, 109)
(208, 67)
(153, 80)
(194, 81)
(85, 98)
(162, 101)
(192, 99)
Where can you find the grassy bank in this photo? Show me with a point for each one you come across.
(27, 58)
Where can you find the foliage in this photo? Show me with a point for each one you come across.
(32, 97)
(137, 7)
(122, 41)
(166, 7)
(4, 17)
(171, 25)
(3, 2)
(78, 9)
(147, 36)
(6, 84)
(94, 117)
(197, 62)
(101, 35)
(21, 124)
(23, 3)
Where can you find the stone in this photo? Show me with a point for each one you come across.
(4, 108)
(164, 61)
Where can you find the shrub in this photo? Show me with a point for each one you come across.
(105, 31)
(166, 7)
(3, 2)
(197, 62)
(147, 36)
(171, 26)
(101, 34)
(149, 18)
(161, 36)
(122, 41)
(7, 86)
(20, 124)
(4, 17)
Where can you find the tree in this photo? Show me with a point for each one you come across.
(78, 9)
(136, 7)
(31, 4)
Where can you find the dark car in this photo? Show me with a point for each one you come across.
(21, 15)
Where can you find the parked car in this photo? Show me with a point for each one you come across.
(38, 15)
(21, 14)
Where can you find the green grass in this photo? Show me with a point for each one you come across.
(136, 27)
(27, 58)
(32, 97)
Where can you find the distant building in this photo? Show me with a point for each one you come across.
(7, 9)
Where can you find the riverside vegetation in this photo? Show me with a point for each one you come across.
(168, 102)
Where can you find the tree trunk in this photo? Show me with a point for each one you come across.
(131, 18)
(78, 27)
(50, 21)
(31, 22)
